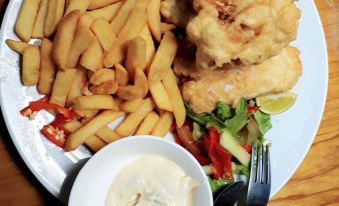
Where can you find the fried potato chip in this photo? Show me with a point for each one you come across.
(120, 18)
(30, 65)
(132, 120)
(92, 58)
(80, 5)
(26, 19)
(63, 38)
(129, 92)
(160, 96)
(82, 134)
(47, 67)
(175, 97)
(154, 19)
(136, 55)
(133, 26)
(115, 55)
(148, 124)
(77, 86)
(17, 46)
(140, 81)
(102, 75)
(163, 59)
(121, 75)
(38, 29)
(164, 124)
(132, 105)
(94, 102)
(165, 27)
(107, 12)
(104, 33)
(150, 48)
(107, 87)
(97, 4)
(82, 40)
(62, 86)
(55, 12)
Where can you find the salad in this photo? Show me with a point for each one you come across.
(221, 140)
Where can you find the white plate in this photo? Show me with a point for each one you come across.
(99, 172)
(292, 133)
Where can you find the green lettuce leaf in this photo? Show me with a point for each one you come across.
(263, 121)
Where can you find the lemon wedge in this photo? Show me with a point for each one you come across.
(275, 104)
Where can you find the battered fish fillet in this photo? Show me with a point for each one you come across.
(241, 31)
(177, 12)
(275, 75)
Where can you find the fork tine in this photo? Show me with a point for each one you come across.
(264, 162)
(253, 162)
(268, 165)
(259, 164)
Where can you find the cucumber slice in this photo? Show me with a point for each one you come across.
(228, 142)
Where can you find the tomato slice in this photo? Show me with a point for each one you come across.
(187, 140)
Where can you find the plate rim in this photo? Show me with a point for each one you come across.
(56, 194)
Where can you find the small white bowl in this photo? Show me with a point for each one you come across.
(95, 178)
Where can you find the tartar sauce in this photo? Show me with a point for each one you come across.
(152, 180)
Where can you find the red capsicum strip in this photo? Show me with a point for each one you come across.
(247, 148)
(221, 159)
(54, 131)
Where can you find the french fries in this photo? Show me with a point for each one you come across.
(55, 12)
(17, 46)
(107, 135)
(93, 142)
(107, 87)
(77, 85)
(94, 102)
(104, 33)
(99, 59)
(47, 68)
(154, 19)
(129, 92)
(160, 96)
(165, 27)
(143, 4)
(82, 40)
(26, 18)
(86, 20)
(121, 75)
(140, 81)
(30, 66)
(132, 105)
(107, 12)
(136, 55)
(96, 4)
(92, 58)
(163, 59)
(132, 120)
(115, 55)
(38, 29)
(82, 134)
(80, 5)
(133, 26)
(62, 86)
(122, 15)
(102, 75)
(150, 48)
(87, 113)
(148, 124)
(164, 124)
(64, 37)
(175, 97)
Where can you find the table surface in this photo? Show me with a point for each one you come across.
(315, 183)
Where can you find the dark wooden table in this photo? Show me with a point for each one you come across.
(315, 183)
